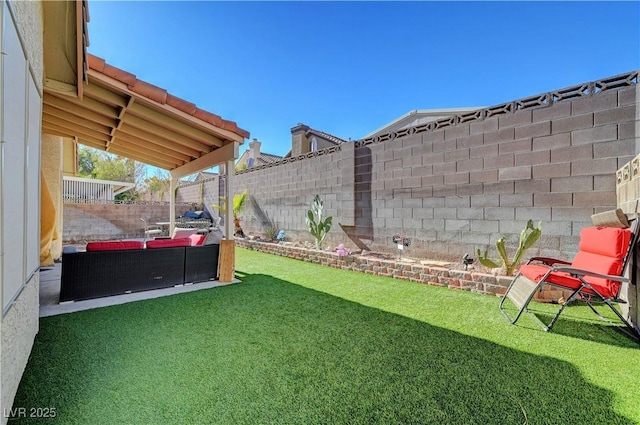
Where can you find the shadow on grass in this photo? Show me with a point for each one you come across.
(578, 321)
(270, 352)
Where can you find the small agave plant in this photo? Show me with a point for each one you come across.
(528, 237)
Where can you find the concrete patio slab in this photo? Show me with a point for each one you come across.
(50, 293)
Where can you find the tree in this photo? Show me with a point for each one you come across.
(158, 184)
(239, 200)
(105, 166)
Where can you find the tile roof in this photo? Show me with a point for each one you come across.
(267, 158)
(329, 137)
(161, 96)
(123, 115)
(263, 158)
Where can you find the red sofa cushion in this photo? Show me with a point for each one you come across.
(168, 243)
(197, 239)
(114, 245)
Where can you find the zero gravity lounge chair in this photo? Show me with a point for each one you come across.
(597, 272)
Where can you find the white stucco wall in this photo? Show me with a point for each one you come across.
(19, 328)
(20, 324)
(30, 25)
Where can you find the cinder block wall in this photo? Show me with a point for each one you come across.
(466, 185)
(463, 182)
(84, 222)
(204, 193)
(281, 195)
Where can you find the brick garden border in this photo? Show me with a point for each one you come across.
(467, 280)
(482, 283)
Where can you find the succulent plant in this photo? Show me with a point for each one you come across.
(528, 237)
(317, 226)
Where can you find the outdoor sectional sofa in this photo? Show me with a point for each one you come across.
(120, 267)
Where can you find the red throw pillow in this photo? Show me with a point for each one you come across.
(197, 239)
(168, 243)
(114, 245)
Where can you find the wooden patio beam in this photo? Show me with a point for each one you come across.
(163, 120)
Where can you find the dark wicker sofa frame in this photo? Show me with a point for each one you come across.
(87, 275)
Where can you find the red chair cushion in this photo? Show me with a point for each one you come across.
(197, 239)
(602, 250)
(607, 241)
(168, 243)
(114, 245)
(535, 272)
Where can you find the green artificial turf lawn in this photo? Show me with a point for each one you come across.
(297, 343)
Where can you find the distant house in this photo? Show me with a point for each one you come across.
(205, 175)
(305, 139)
(418, 117)
(253, 157)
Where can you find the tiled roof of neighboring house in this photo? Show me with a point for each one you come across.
(417, 117)
(267, 158)
(263, 158)
(313, 132)
(207, 173)
(329, 137)
(204, 175)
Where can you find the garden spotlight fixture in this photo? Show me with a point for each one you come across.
(402, 242)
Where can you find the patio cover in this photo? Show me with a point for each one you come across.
(110, 109)
(123, 115)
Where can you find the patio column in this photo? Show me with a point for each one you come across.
(172, 204)
(227, 260)
(228, 219)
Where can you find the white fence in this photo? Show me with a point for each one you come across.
(80, 190)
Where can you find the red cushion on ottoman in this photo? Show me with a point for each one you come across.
(114, 245)
(167, 243)
(197, 239)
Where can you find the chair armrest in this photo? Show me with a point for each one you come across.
(581, 272)
(548, 261)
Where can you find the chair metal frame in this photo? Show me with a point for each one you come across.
(150, 229)
(522, 289)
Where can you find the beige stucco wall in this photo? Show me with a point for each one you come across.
(20, 325)
(69, 166)
(51, 163)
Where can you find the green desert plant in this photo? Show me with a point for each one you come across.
(270, 232)
(238, 205)
(317, 226)
(528, 237)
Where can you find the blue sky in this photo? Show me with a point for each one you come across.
(348, 68)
